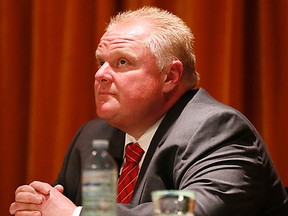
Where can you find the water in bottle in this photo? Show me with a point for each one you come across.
(99, 182)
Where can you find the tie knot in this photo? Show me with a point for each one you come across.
(133, 153)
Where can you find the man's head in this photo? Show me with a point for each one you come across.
(141, 68)
(169, 39)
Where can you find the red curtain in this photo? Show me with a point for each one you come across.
(47, 68)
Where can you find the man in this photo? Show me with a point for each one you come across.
(145, 92)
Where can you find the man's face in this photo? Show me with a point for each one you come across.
(128, 84)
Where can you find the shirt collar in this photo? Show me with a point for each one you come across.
(145, 140)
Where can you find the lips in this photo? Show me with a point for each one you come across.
(103, 92)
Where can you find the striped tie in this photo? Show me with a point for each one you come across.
(129, 174)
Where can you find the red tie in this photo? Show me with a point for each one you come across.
(129, 174)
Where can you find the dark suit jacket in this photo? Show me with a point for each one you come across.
(201, 145)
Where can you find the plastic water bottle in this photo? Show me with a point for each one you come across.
(99, 182)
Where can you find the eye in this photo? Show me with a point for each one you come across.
(100, 63)
(122, 62)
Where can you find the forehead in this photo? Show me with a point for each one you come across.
(128, 35)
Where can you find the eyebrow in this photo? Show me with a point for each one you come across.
(123, 53)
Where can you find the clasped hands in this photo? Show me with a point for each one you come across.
(41, 199)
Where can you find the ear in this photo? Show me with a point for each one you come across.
(173, 76)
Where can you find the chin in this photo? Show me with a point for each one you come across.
(108, 117)
(107, 111)
(104, 113)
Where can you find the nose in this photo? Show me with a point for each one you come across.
(103, 74)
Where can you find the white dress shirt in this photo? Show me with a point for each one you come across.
(144, 141)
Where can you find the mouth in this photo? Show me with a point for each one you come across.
(103, 92)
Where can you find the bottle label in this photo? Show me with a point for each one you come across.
(99, 192)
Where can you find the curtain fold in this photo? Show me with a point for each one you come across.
(15, 55)
(47, 68)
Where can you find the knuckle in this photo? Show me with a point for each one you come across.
(35, 182)
(22, 188)
(26, 198)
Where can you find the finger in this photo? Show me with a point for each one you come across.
(42, 187)
(28, 197)
(59, 187)
(25, 188)
(28, 213)
(12, 208)
(27, 194)
(20, 208)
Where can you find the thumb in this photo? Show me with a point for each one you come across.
(59, 187)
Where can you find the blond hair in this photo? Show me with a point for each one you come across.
(170, 39)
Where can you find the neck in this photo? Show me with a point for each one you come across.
(138, 128)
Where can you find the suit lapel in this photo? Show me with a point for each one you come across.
(116, 147)
(158, 139)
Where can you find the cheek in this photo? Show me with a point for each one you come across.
(143, 85)
(142, 91)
